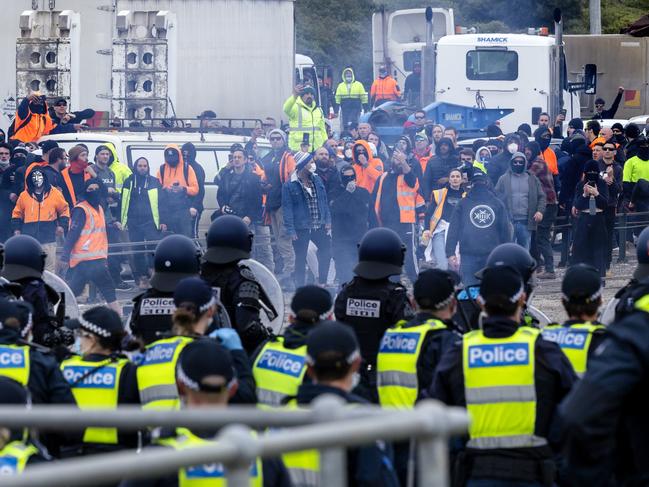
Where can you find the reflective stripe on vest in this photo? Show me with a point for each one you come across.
(95, 386)
(208, 475)
(574, 341)
(15, 362)
(156, 375)
(278, 372)
(303, 466)
(500, 390)
(439, 195)
(14, 457)
(397, 362)
(92, 244)
(407, 198)
(153, 203)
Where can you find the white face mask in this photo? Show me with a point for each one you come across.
(513, 147)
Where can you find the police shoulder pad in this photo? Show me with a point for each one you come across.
(246, 273)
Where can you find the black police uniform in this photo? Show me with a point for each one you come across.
(151, 314)
(605, 417)
(371, 307)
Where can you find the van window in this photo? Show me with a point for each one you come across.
(410, 58)
(496, 65)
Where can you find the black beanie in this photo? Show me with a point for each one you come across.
(576, 123)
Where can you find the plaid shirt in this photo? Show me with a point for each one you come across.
(309, 191)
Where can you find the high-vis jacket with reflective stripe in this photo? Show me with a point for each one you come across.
(14, 457)
(65, 174)
(303, 466)
(156, 375)
(92, 244)
(208, 475)
(95, 385)
(397, 362)
(303, 119)
(500, 389)
(15, 362)
(408, 199)
(278, 372)
(574, 341)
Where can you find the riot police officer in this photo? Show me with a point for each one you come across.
(8, 290)
(228, 242)
(175, 258)
(310, 305)
(511, 381)
(581, 296)
(370, 302)
(24, 263)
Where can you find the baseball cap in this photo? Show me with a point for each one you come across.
(205, 366)
(434, 288)
(100, 321)
(310, 302)
(48, 145)
(207, 114)
(21, 311)
(61, 102)
(194, 291)
(331, 344)
(581, 284)
(498, 282)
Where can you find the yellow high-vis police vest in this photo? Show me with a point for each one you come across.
(574, 341)
(211, 475)
(500, 390)
(15, 362)
(303, 466)
(95, 385)
(14, 457)
(156, 374)
(278, 372)
(396, 362)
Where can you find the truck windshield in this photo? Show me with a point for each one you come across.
(492, 65)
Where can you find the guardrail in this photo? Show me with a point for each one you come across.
(430, 422)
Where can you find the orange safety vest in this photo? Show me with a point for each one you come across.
(33, 127)
(550, 159)
(65, 174)
(385, 89)
(439, 195)
(92, 243)
(408, 200)
(286, 167)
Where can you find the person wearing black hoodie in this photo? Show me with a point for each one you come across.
(7, 178)
(499, 164)
(591, 199)
(479, 224)
(439, 166)
(196, 210)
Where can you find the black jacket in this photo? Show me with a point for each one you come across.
(79, 117)
(610, 113)
(572, 173)
(438, 167)
(601, 201)
(197, 201)
(139, 210)
(553, 379)
(349, 215)
(605, 423)
(615, 188)
(243, 199)
(331, 180)
(479, 223)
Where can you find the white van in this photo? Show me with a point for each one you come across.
(211, 151)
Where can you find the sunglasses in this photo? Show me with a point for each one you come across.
(608, 149)
(419, 118)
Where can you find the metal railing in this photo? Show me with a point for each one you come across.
(336, 427)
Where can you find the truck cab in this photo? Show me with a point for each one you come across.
(507, 71)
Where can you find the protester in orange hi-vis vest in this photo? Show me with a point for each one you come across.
(367, 167)
(86, 246)
(179, 185)
(76, 174)
(398, 205)
(384, 88)
(32, 119)
(543, 136)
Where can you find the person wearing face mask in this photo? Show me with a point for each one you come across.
(384, 88)
(86, 246)
(305, 118)
(524, 198)
(326, 169)
(368, 168)
(349, 223)
(56, 158)
(76, 174)
(100, 376)
(7, 178)
(398, 205)
(179, 187)
(543, 136)
(499, 163)
(307, 217)
(590, 237)
(139, 212)
(351, 97)
(42, 213)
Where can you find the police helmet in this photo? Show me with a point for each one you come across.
(380, 254)
(176, 257)
(228, 240)
(642, 251)
(23, 257)
(512, 255)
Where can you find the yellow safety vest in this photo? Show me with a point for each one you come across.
(153, 203)
(396, 362)
(95, 385)
(15, 362)
(574, 341)
(156, 375)
(278, 372)
(500, 390)
(14, 457)
(209, 475)
(303, 466)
